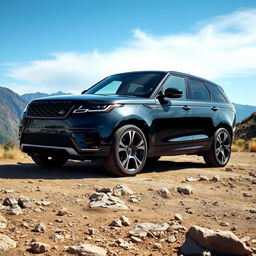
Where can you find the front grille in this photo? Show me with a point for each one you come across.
(49, 109)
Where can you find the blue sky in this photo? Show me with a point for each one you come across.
(52, 45)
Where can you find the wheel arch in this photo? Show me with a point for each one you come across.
(137, 122)
(227, 127)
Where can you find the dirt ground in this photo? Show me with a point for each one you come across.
(210, 205)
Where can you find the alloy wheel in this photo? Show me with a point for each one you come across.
(223, 147)
(131, 150)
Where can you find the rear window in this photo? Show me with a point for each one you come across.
(217, 93)
(198, 90)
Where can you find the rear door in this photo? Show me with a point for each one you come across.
(204, 112)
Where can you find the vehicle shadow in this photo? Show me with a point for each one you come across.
(71, 170)
(164, 166)
(82, 170)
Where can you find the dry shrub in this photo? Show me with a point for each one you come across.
(11, 153)
(236, 148)
(252, 146)
(240, 145)
(1, 152)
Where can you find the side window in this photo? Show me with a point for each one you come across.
(177, 83)
(217, 95)
(135, 88)
(198, 90)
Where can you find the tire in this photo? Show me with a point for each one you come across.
(49, 161)
(128, 152)
(219, 154)
(152, 159)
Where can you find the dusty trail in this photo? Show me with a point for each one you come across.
(224, 204)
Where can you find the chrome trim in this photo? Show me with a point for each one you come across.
(81, 110)
(188, 138)
(200, 137)
(53, 147)
(180, 139)
(105, 109)
(70, 151)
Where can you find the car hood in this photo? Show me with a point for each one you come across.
(95, 99)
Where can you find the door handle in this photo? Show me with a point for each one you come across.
(214, 108)
(186, 107)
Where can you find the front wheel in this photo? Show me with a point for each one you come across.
(128, 152)
(219, 154)
(49, 161)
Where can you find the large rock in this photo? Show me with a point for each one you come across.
(87, 250)
(15, 210)
(164, 192)
(124, 244)
(122, 189)
(186, 190)
(40, 227)
(6, 243)
(38, 247)
(190, 247)
(25, 202)
(106, 200)
(10, 201)
(144, 228)
(224, 242)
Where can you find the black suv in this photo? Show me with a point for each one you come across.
(129, 119)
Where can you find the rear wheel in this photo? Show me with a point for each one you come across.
(128, 152)
(49, 161)
(220, 151)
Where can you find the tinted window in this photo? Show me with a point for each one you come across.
(223, 93)
(198, 90)
(217, 95)
(177, 83)
(136, 84)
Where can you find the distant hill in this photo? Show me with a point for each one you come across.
(32, 96)
(11, 107)
(243, 111)
(247, 128)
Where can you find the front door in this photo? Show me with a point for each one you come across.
(175, 118)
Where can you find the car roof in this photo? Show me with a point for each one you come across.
(169, 72)
(191, 76)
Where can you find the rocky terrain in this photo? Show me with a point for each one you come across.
(175, 207)
(247, 128)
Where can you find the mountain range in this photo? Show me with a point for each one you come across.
(12, 105)
(247, 128)
(11, 108)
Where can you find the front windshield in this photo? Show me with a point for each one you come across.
(140, 84)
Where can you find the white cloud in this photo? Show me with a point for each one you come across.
(221, 47)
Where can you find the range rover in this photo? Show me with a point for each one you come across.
(129, 119)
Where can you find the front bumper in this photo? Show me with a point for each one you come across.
(56, 137)
(70, 152)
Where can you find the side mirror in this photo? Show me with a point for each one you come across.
(84, 91)
(172, 93)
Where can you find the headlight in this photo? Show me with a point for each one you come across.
(95, 108)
